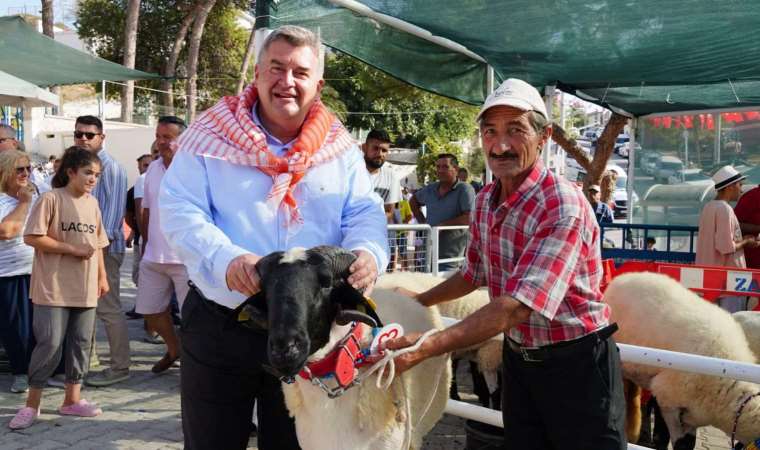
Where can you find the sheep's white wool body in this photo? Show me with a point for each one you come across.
(365, 417)
(750, 322)
(488, 354)
(293, 255)
(656, 311)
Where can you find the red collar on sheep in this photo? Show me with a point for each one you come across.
(341, 362)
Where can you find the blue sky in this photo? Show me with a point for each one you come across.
(62, 9)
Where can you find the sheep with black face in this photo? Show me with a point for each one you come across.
(307, 307)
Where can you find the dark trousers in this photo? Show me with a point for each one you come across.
(16, 322)
(221, 377)
(573, 401)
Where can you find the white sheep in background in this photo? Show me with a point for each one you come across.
(750, 322)
(656, 311)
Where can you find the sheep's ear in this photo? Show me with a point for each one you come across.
(354, 306)
(266, 264)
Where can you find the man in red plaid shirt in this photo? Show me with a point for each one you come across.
(535, 245)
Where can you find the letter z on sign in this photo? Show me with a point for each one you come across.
(741, 282)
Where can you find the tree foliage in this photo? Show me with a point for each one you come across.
(101, 22)
(429, 155)
(409, 115)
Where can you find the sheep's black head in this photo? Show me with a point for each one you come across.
(304, 292)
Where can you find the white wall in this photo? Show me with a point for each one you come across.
(125, 142)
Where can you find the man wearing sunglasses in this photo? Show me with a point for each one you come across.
(111, 193)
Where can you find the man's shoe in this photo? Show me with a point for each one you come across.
(153, 338)
(107, 377)
(20, 384)
(132, 314)
(164, 363)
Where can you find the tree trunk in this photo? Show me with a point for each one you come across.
(170, 68)
(130, 49)
(595, 169)
(192, 56)
(47, 30)
(570, 146)
(247, 60)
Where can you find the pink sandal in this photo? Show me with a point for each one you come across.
(82, 409)
(24, 418)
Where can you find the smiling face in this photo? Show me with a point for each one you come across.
(19, 177)
(288, 82)
(84, 179)
(510, 143)
(166, 135)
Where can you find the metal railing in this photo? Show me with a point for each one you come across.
(415, 248)
(630, 242)
(666, 359)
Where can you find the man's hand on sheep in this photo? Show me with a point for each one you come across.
(363, 272)
(242, 275)
(406, 292)
(408, 360)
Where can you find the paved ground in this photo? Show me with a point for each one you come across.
(144, 412)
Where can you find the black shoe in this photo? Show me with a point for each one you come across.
(132, 314)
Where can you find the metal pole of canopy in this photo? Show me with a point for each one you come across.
(103, 100)
(489, 88)
(631, 159)
(549, 101)
(718, 121)
(406, 27)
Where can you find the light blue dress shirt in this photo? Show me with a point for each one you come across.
(111, 192)
(213, 211)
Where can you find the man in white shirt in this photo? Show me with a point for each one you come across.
(254, 175)
(385, 183)
(161, 270)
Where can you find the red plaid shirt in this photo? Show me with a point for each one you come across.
(540, 247)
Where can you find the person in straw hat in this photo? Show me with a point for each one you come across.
(720, 241)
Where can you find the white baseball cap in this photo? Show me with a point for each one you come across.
(594, 187)
(517, 94)
(726, 176)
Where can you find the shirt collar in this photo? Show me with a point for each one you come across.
(271, 140)
(536, 175)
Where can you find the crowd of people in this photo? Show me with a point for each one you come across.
(274, 169)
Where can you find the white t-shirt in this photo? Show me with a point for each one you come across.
(386, 184)
(157, 250)
(140, 186)
(15, 256)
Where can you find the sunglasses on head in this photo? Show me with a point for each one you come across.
(20, 170)
(87, 134)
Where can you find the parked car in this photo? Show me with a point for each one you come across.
(689, 176)
(625, 149)
(668, 166)
(650, 162)
(620, 195)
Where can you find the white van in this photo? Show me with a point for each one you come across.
(620, 195)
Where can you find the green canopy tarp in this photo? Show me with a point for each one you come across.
(36, 58)
(640, 56)
(17, 92)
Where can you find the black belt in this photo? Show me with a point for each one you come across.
(562, 349)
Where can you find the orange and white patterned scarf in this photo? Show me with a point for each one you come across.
(227, 131)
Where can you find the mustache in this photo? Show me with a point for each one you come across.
(505, 155)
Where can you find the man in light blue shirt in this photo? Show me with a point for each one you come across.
(223, 207)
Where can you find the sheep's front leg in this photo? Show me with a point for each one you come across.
(682, 436)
